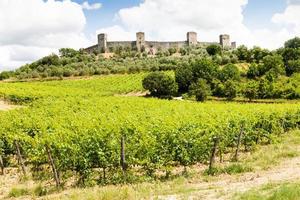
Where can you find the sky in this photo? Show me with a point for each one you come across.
(31, 29)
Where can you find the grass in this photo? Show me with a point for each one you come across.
(17, 192)
(266, 157)
(283, 191)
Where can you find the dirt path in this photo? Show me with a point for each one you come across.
(4, 106)
(226, 186)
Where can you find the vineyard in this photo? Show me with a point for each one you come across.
(83, 129)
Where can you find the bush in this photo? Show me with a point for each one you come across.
(265, 89)
(229, 72)
(214, 49)
(230, 89)
(292, 67)
(5, 75)
(253, 71)
(274, 64)
(200, 89)
(251, 90)
(184, 77)
(293, 43)
(204, 69)
(160, 85)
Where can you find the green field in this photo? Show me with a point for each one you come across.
(83, 121)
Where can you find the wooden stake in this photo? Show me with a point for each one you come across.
(236, 155)
(213, 154)
(20, 158)
(1, 165)
(123, 161)
(52, 164)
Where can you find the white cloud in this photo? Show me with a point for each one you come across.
(117, 33)
(171, 19)
(87, 6)
(34, 28)
(290, 17)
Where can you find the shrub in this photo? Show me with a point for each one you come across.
(293, 66)
(214, 49)
(200, 89)
(160, 85)
(251, 90)
(230, 89)
(293, 43)
(229, 72)
(253, 71)
(184, 77)
(204, 69)
(172, 50)
(274, 64)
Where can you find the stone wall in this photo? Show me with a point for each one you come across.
(123, 44)
(153, 46)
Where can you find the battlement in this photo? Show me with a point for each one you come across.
(151, 47)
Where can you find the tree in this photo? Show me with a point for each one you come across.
(230, 89)
(242, 53)
(265, 88)
(214, 49)
(293, 43)
(52, 59)
(290, 54)
(160, 85)
(184, 77)
(293, 66)
(253, 71)
(257, 54)
(5, 75)
(172, 50)
(200, 89)
(273, 63)
(204, 69)
(68, 52)
(251, 90)
(229, 72)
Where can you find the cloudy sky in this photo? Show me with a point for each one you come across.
(30, 29)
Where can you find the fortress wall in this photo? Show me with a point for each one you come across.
(165, 45)
(123, 44)
(207, 43)
(153, 46)
(91, 49)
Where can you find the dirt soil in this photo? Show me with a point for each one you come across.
(4, 106)
(226, 186)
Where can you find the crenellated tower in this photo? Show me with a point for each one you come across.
(192, 38)
(102, 43)
(140, 41)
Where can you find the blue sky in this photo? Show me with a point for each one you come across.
(257, 13)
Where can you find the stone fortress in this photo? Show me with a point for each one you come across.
(151, 47)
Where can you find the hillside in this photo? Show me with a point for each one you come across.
(83, 122)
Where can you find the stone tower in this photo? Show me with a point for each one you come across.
(233, 45)
(192, 38)
(140, 41)
(225, 41)
(102, 42)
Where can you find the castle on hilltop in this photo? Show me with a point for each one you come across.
(151, 47)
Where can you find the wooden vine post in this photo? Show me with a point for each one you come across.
(1, 165)
(213, 154)
(20, 158)
(123, 161)
(238, 144)
(52, 164)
